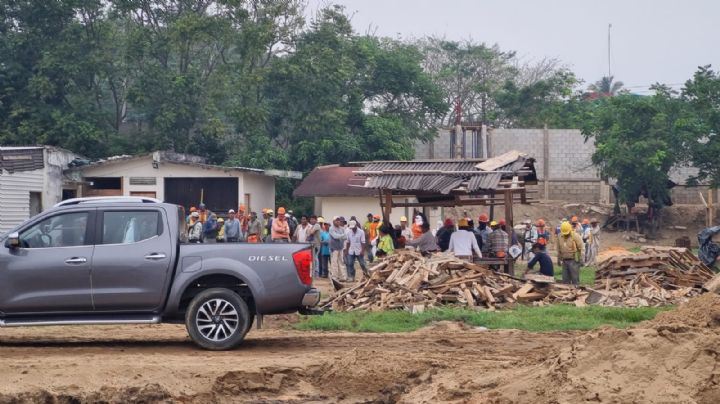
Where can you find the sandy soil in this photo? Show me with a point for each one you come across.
(672, 359)
(158, 363)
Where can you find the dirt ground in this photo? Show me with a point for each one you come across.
(673, 359)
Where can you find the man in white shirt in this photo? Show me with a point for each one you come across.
(302, 231)
(354, 249)
(463, 242)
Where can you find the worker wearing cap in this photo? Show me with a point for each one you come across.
(255, 229)
(221, 230)
(324, 248)
(498, 240)
(210, 228)
(337, 247)
(232, 228)
(405, 229)
(570, 253)
(355, 250)
(529, 237)
(594, 245)
(195, 231)
(267, 224)
(463, 242)
(204, 213)
(541, 257)
(280, 230)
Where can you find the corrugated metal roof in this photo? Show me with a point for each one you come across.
(17, 159)
(439, 176)
(333, 181)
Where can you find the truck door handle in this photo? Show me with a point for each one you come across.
(155, 256)
(76, 260)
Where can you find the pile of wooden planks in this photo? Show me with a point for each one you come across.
(655, 276)
(406, 280)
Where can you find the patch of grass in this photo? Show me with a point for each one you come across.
(546, 318)
(635, 249)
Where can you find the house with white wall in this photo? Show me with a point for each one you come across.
(31, 180)
(182, 179)
(337, 191)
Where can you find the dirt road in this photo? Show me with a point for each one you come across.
(672, 359)
(159, 362)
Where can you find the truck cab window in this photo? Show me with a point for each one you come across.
(130, 227)
(66, 230)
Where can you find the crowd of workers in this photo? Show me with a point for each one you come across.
(340, 244)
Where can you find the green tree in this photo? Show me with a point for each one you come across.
(702, 93)
(550, 101)
(637, 142)
(48, 67)
(340, 97)
(605, 87)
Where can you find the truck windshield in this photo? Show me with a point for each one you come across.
(182, 225)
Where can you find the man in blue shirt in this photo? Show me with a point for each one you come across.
(232, 228)
(541, 256)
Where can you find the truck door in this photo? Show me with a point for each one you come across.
(50, 271)
(132, 259)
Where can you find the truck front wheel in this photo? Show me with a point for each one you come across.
(217, 319)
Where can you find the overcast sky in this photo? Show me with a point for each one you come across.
(651, 40)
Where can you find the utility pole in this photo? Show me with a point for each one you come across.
(609, 70)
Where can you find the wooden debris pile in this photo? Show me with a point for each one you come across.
(406, 280)
(654, 277)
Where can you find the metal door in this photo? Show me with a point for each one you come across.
(50, 272)
(131, 262)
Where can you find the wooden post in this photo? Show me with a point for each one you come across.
(388, 206)
(711, 208)
(546, 162)
(509, 209)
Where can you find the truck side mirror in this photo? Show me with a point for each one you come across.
(13, 241)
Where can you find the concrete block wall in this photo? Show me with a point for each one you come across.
(528, 141)
(571, 175)
(575, 191)
(683, 195)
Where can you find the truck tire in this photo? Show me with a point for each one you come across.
(217, 319)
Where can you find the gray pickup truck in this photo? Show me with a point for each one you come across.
(127, 261)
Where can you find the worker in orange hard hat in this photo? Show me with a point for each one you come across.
(576, 226)
(188, 219)
(280, 232)
(482, 232)
(243, 218)
(542, 232)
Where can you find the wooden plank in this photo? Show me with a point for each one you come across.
(526, 288)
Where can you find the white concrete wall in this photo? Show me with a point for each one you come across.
(15, 191)
(56, 161)
(360, 206)
(261, 189)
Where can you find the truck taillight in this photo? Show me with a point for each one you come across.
(303, 264)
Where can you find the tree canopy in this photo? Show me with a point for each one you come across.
(253, 83)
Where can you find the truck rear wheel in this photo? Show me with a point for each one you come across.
(217, 319)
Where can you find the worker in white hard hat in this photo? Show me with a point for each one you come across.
(405, 229)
